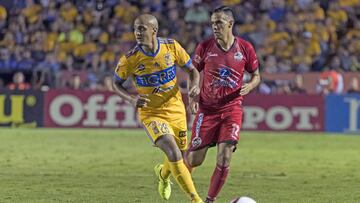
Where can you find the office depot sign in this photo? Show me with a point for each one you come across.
(87, 109)
(284, 112)
(90, 109)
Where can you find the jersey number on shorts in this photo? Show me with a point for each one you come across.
(164, 128)
(235, 130)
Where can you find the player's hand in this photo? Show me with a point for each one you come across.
(140, 101)
(245, 89)
(194, 92)
(194, 106)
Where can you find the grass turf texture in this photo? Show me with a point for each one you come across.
(79, 165)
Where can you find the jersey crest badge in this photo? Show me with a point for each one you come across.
(238, 56)
(196, 142)
(168, 60)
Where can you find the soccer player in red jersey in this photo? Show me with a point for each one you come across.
(223, 60)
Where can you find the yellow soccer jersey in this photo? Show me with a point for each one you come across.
(155, 74)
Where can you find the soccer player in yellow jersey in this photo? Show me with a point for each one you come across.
(151, 65)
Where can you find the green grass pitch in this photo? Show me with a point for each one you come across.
(79, 165)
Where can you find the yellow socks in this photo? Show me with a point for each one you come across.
(165, 171)
(183, 178)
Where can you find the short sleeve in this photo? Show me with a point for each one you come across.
(252, 62)
(198, 58)
(182, 58)
(122, 70)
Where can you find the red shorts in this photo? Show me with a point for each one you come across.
(210, 128)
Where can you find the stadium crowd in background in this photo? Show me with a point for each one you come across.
(76, 44)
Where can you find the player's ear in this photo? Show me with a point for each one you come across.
(155, 29)
(231, 23)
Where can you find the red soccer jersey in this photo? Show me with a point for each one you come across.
(223, 72)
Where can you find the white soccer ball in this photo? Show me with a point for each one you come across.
(243, 200)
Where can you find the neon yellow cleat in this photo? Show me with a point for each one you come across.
(164, 187)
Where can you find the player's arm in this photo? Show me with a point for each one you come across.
(122, 72)
(198, 64)
(194, 89)
(194, 76)
(137, 101)
(252, 67)
(252, 84)
(183, 59)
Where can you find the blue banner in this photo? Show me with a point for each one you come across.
(342, 113)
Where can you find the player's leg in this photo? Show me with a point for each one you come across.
(178, 123)
(180, 134)
(227, 141)
(178, 169)
(165, 169)
(221, 170)
(156, 127)
(196, 158)
(180, 130)
(203, 134)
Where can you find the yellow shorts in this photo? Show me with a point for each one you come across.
(156, 127)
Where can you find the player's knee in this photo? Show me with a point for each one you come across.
(194, 161)
(223, 159)
(174, 155)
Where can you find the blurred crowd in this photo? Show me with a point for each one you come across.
(76, 44)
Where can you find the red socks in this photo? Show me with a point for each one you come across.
(217, 181)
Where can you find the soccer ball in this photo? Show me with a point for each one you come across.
(243, 200)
